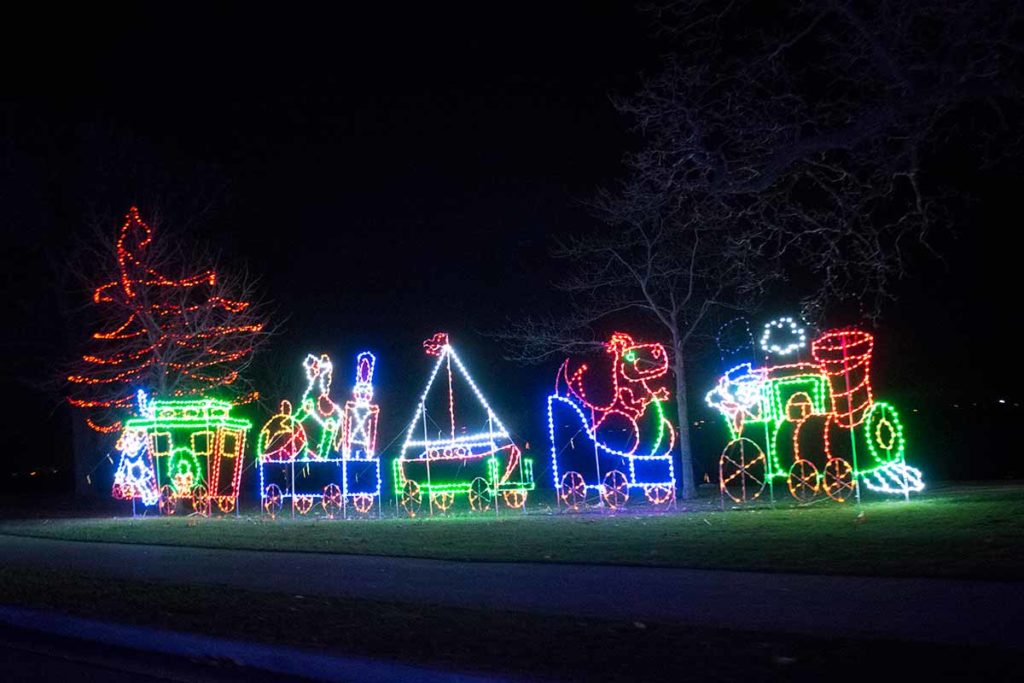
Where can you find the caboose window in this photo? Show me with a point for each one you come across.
(229, 445)
(161, 443)
(201, 442)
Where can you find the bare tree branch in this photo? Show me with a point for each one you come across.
(168, 322)
(781, 141)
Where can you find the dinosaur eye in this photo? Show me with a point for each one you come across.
(630, 356)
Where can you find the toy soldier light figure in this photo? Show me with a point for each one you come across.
(359, 425)
(359, 439)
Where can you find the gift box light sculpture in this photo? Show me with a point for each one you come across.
(449, 452)
(815, 425)
(182, 452)
(609, 434)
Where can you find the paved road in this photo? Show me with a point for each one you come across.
(37, 645)
(27, 655)
(929, 610)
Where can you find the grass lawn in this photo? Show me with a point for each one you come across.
(956, 532)
(563, 648)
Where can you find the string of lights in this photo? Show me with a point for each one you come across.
(340, 464)
(135, 477)
(284, 443)
(827, 412)
(633, 401)
(734, 337)
(361, 467)
(798, 336)
(182, 451)
(481, 464)
(165, 328)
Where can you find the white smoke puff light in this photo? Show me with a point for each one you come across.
(797, 333)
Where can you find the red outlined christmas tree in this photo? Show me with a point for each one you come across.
(172, 336)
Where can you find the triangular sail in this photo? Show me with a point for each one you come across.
(420, 437)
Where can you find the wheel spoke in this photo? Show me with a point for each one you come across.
(742, 470)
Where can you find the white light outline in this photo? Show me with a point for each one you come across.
(779, 323)
(502, 433)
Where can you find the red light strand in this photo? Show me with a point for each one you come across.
(163, 325)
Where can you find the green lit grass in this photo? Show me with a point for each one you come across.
(960, 532)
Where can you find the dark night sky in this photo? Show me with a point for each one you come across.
(389, 174)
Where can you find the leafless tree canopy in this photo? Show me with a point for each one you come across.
(792, 140)
(167, 320)
(655, 263)
(783, 141)
(808, 127)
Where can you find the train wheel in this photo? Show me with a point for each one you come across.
(515, 499)
(273, 500)
(803, 480)
(442, 501)
(615, 491)
(201, 500)
(660, 495)
(168, 500)
(838, 480)
(573, 490)
(331, 500)
(742, 470)
(362, 502)
(411, 499)
(303, 504)
(226, 504)
(480, 495)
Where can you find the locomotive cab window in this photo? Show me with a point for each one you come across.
(799, 406)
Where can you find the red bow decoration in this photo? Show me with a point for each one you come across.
(435, 345)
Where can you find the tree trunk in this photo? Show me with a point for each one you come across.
(85, 451)
(684, 479)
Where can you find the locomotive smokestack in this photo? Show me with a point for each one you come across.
(845, 358)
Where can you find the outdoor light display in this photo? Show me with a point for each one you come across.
(181, 452)
(815, 425)
(359, 439)
(456, 445)
(191, 334)
(734, 338)
(297, 451)
(798, 337)
(609, 434)
(135, 478)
